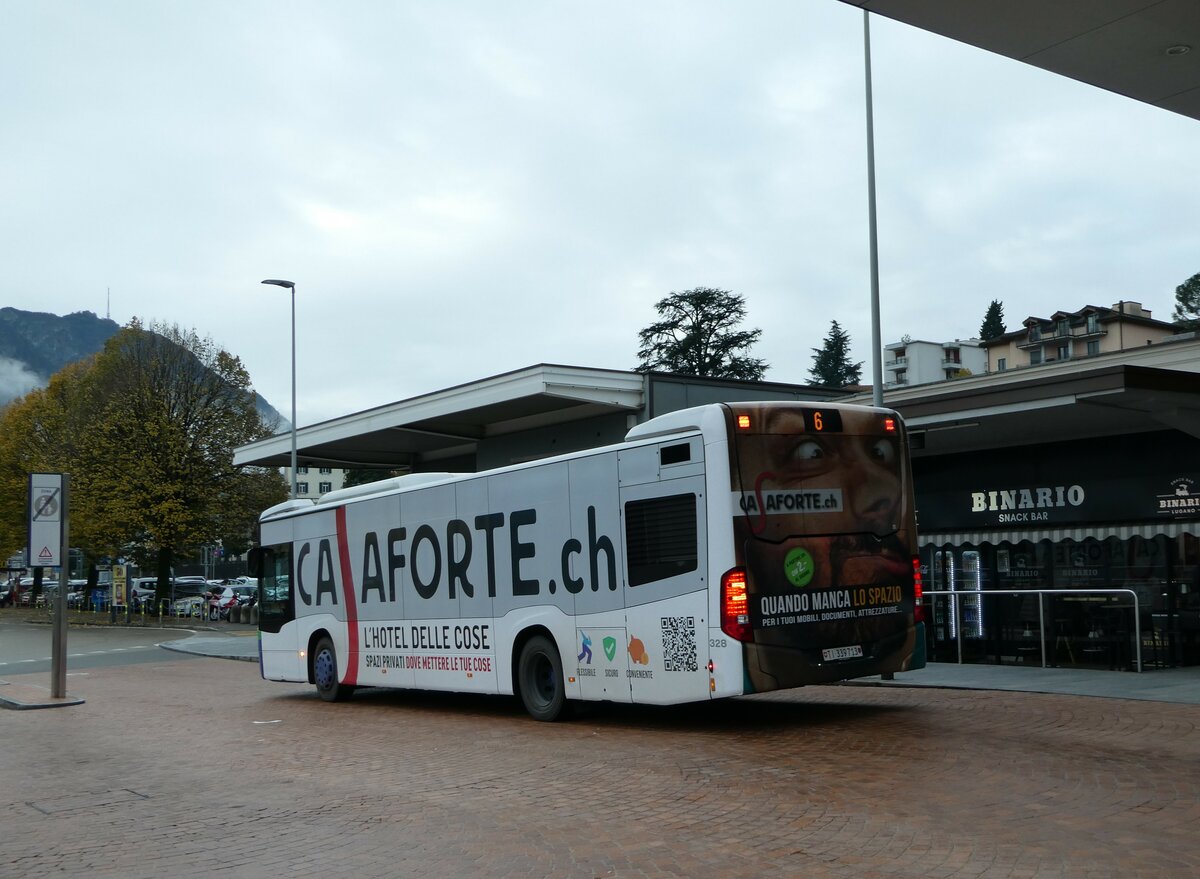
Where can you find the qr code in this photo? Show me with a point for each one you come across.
(679, 643)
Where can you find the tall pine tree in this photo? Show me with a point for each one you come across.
(831, 362)
(993, 321)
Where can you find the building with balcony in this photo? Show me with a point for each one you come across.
(1074, 335)
(918, 362)
(315, 481)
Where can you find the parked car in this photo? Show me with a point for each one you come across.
(187, 586)
(191, 606)
(49, 590)
(141, 592)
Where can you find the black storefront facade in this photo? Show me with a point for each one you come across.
(1107, 529)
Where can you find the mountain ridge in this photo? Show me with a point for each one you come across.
(36, 344)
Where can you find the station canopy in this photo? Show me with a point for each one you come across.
(451, 422)
(1148, 50)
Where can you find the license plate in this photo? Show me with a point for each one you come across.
(832, 653)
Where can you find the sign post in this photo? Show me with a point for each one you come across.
(120, 592)
(49, 537)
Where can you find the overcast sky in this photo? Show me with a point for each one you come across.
(459, 189)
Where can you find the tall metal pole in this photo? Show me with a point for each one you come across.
(293, 391)
(58, 639)
(876, 334)
(292, 287)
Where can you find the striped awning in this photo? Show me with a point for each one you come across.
(1097, 532)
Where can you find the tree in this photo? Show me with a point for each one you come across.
(831, 362)
(365, 475)
(147, 429)
(993, 321)
(38, 433)
(697, 336)
(1187, 303)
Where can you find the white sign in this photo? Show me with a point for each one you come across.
(46, 504)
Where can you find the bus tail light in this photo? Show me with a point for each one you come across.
(735, 605)
(918, 592)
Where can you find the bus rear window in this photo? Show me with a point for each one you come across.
(660, 538)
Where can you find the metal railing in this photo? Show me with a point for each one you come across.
(980, 593)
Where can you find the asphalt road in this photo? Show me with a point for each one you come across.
(27, 648)
(200, 768)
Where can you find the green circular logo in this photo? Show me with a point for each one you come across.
(798, 566)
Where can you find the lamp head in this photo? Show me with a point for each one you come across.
(289, 284)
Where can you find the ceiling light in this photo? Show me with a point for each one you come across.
(1176, 51)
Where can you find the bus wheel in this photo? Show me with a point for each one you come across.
(325, 673)
(540, 679)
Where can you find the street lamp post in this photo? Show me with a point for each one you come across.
(876, 332)
(291, 286)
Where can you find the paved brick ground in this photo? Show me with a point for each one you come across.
(190, 769)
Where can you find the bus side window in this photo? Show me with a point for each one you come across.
(660, 538)
(675, 454)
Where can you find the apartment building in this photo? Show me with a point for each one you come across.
(315, 481)
(1074, 335)
(917, 362)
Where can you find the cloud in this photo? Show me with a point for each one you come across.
(16, 380)
(461, 189)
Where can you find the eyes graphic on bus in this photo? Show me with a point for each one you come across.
(883, 451)
(637, 651)
(810, 457)
(808, 451)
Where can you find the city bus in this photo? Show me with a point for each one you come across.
(718, 551)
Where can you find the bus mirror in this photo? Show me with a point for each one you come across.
(254, 561)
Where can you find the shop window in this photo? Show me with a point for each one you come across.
(1185, 573)
(1081, 565)
(1140, 564)
(1023, 565)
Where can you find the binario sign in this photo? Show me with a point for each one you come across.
(1032, 504)
(1140, 478)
